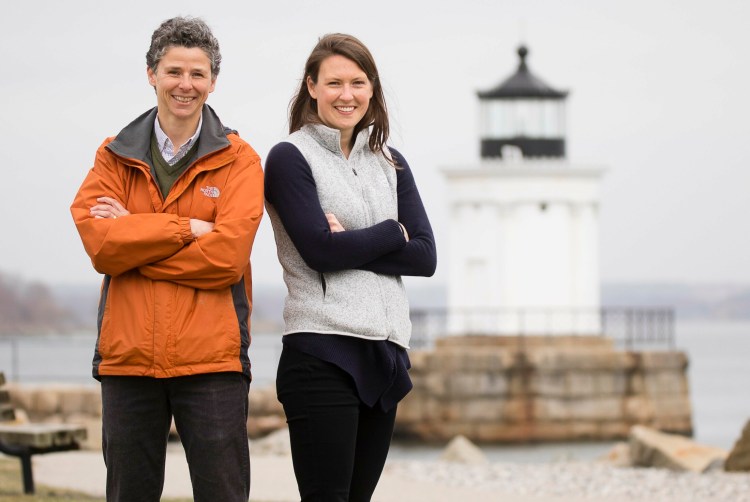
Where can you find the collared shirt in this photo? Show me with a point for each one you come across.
(166, 147)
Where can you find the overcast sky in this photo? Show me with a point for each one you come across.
(660, 97)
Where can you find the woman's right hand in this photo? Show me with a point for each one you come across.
(108, 207)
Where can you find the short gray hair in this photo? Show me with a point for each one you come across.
(184, 32)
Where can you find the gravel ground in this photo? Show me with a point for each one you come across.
(581, 481)
(438, 481)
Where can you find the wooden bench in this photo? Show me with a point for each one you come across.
(23, 440)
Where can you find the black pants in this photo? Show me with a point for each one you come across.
(339, 444)
(210, 413)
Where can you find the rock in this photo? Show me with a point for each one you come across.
(21, 397)
(651, 448)
(463, 451)
(21, 417)
(93, 426)
(261, 426)
(739, 457)
(263, 402)
(92, 403)
(277, 443)
(46, 402)
(71, 400)
(618, 456)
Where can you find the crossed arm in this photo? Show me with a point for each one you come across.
(107, 207)
(403, 247)
(165, 246)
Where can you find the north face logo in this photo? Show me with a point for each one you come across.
(212, 192)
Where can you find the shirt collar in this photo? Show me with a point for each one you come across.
(165, 144)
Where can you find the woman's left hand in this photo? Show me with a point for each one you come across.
(333, 223)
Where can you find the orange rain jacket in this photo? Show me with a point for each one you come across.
(172, 305)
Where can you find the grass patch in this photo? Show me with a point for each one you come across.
(11, 488)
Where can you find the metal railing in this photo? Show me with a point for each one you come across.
(67, 358)
(33, 358)
(629, 327)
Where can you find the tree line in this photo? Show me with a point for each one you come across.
(31, 308)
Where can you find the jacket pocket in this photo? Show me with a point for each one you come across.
(126, 334)
(205, 327)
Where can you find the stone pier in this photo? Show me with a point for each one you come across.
(82, 405)
(523, 389)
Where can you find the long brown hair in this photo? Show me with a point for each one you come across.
(303, 109)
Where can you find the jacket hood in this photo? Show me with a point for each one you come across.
(134, 141)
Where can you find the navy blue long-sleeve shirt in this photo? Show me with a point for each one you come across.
(379, 368)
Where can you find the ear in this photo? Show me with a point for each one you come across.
(151, 76)
(213, 85)
(311, 88)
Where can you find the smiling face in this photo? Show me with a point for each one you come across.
(182, 82)
(343, 93)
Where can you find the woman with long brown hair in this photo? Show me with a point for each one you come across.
(348, 222)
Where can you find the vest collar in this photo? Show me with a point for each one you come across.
(330, 138)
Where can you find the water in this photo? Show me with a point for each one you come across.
(719, 374)
(67, 358)
(719, 378)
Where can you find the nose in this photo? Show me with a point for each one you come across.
(186, 82)
(346, 92)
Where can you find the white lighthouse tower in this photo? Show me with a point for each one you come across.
(523, 247)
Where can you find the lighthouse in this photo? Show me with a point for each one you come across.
(523, 233)
(523, 350)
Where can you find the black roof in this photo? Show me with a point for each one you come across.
(523, 84)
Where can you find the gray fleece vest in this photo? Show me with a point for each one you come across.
(349, 302)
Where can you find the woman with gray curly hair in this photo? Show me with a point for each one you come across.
(168, 214)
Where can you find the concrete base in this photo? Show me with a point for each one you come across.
(522, 389)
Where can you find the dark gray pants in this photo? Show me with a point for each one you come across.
(210, 413)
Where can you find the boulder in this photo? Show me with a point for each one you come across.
(739, 457)
(277, 443)
(463, 451)
(651, 448)
(618, 456)
(46, 402)
(261, 426)
(21, 417)
(93, 426)
(263, 402)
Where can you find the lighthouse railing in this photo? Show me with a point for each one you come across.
(630, 328)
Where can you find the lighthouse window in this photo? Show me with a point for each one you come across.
(536, 118)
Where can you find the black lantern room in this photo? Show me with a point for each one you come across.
(522, 114)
